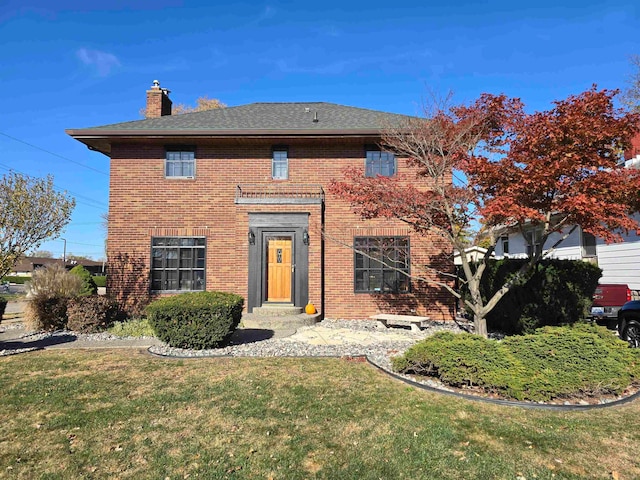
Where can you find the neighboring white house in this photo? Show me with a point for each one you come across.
(620, 262)
(474, 254)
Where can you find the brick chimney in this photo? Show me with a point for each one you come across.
(158, 102)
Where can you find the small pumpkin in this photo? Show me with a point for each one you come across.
(310, 309)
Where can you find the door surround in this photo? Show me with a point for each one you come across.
(267, 225)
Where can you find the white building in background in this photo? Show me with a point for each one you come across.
(620, 262)
(473, 253)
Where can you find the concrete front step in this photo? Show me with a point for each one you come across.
(276, 309)
(251, 320)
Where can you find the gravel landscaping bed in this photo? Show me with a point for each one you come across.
(379, 351)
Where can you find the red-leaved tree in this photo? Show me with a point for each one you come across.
(493, 165)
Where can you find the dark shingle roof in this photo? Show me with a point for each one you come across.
(265, 116)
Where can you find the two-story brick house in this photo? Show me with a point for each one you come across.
(236, 199)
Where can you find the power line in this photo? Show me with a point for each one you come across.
(97, 204)
(84, 244)
(55, 154)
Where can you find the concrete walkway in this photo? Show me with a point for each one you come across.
(15, 307)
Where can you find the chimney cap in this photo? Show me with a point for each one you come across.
(156, 84)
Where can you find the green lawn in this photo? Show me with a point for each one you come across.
(125, 414)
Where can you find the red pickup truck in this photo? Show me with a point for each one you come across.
(607, 301)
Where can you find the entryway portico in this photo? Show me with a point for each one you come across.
(278, 260)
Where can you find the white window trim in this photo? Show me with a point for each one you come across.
(180, 177)
(273, 164)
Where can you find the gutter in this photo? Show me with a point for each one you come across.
(91, 133)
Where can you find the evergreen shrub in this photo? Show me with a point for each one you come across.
(554, 362)
(89, 286)
(556, 292)
(196, 320)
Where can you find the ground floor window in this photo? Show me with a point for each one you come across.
(381, 265)
(177, 263)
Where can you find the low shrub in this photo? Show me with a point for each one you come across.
(553, 362)
(3, 306)
(196, 320)
(463, 360)
(101, 280)
(49, 292)
(584, 359)
(136, 327)
(89, 286)
(91, 314)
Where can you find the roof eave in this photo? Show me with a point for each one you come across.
(101, 140)
(227, 133)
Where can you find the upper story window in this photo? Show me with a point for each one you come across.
(588, 245)
(180, 163)
(178, 263)
(504, 240)
(381, 265)
(534, 241)
(378, 162)
(280, 164)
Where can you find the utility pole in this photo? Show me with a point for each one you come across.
(64, 253)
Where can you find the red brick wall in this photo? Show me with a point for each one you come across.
(144, 204)
(635, 148)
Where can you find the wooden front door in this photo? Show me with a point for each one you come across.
(279, 269)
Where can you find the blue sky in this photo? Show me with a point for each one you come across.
(70, 64)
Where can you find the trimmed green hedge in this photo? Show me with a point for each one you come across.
(556, 292)
(196, 320)
(553, 362)
(100, 280)
(20, 280)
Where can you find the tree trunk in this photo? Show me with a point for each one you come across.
(480, 323)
